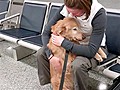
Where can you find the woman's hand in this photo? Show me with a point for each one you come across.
(55, 61)
(57, 40)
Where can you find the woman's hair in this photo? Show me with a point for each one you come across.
(79, 4)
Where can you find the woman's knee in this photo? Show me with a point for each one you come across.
(80, 63)
(77, 67)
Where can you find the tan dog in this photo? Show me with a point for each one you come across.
(68, 28)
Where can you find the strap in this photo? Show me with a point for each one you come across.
(63, 71)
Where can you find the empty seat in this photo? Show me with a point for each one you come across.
(4, 9)
(32, 20)
(35, 43)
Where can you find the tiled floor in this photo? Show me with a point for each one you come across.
(18, 75)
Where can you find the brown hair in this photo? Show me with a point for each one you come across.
(79, 4)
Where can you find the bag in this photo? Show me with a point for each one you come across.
(116, 84)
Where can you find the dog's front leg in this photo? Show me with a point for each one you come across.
(98, 57)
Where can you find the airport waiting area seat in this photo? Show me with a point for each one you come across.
(4, 10)
(32, 20)
(111, 66)
(35, 42)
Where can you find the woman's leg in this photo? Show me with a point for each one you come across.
(80, 67)
(43, 67)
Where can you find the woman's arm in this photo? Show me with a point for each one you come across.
(99, 26)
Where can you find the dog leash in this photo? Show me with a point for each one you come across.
(63, 71)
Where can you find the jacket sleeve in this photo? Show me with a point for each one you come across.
(47, 31)
(89, 51)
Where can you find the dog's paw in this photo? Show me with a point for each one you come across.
(104, 56)
(98, 57)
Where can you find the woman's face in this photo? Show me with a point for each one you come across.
(75, 12)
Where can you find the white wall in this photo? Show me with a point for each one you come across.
(114, 4)
(107, 3)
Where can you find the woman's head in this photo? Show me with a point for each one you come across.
(76, 6)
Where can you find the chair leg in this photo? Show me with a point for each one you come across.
(19, 52)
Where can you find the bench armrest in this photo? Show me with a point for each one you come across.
(9, 17)
(5, 12)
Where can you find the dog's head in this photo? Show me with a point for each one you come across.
(68, 28)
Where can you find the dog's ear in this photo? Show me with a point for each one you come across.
(52, 28)
(61, 30)
(55, 28)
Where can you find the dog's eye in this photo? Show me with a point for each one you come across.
(75, 28)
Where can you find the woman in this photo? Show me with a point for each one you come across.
(92, 17)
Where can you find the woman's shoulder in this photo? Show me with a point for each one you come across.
(101, 14)
(102, 10)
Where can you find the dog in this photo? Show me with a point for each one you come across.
(70, 29)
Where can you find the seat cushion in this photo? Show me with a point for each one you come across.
(37, 40)
(18, 33)
(115, 68)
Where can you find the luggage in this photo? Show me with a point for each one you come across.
(116, 84)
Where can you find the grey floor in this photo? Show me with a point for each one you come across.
(18, 75)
